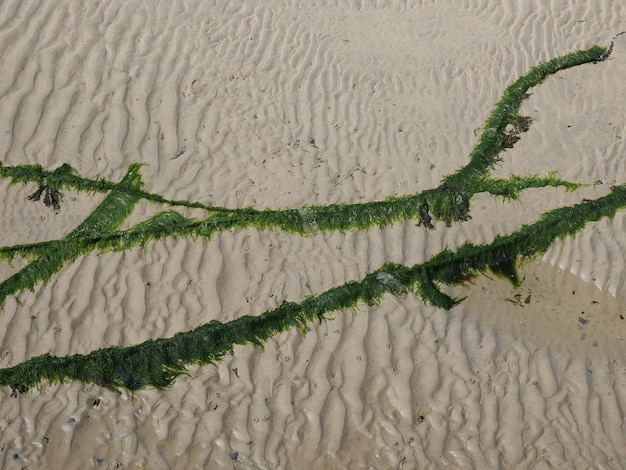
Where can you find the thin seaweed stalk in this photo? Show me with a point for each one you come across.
(301, 221)
(446, 204)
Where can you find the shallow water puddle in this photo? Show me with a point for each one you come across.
(551, 307)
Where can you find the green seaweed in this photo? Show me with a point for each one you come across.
(110, 214)
(158, 362)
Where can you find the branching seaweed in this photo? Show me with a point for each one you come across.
(158, 362)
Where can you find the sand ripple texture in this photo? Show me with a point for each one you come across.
(281, 104)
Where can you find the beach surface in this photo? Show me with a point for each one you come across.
(287, 104)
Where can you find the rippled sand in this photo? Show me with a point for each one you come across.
(270, 105)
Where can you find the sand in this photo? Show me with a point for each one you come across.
(282, 104)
